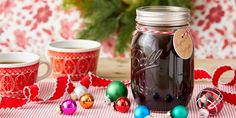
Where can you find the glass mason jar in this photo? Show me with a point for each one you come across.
(162, 57)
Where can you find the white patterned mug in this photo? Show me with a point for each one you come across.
(17, 70)
(74, 58)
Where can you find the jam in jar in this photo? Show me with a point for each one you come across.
(162, 57)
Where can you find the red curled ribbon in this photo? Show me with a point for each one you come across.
(200, 74)
(63, 85)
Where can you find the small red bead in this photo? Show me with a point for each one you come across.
(122, 104)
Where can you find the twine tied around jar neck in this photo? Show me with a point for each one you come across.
(155, 30)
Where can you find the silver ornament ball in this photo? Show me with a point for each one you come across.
(78, 92)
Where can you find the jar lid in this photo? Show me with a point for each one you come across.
(163, 15)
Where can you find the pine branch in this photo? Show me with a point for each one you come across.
(101, 30)
(127, 27)
(124, 37)
(81, 4)
(104, 17)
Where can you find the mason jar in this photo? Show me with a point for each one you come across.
(162, 57)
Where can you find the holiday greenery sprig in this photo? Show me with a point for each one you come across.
(105, 17)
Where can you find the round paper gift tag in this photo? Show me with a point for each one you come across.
(183, 43)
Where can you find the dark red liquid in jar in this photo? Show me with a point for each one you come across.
(160, 79)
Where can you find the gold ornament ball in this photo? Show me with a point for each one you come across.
(86, 100)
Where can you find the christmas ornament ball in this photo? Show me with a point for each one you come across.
(209, 101)
(86, 100)
(122, 104)
(141, 111)
(179, 111)
(78, 92)
(115, 90)
(68, 107)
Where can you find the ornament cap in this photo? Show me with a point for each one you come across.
(168, 114)
(59, 110)
(73, 96)
(113, 106)
(107, 100)
(204, 113)
(149, 116)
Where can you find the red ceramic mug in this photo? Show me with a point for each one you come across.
(74, 58)
(17, 70)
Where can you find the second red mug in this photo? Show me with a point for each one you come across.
(74, 58)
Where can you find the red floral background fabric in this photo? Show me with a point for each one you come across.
(214, 28)
(29, 25)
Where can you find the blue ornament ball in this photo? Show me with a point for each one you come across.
(179, 111)
(141, 111)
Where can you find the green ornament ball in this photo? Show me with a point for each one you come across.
(115, 90)
(179, 111)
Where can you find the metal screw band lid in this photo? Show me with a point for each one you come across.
(163, 15)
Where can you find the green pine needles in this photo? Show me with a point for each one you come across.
(105, 17)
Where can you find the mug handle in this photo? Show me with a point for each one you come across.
(46, 54)
(49, 70)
